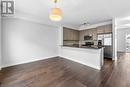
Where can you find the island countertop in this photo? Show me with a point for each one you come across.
(85, 47)
(90, 56)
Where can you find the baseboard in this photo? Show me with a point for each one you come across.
(89, 65)
(8, 65)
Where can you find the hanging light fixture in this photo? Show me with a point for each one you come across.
(56, 13)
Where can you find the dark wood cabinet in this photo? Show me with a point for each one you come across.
(89, 32)
(108, 29)
(100, 29)
(104, 29)
(75, 35)
(70, 34)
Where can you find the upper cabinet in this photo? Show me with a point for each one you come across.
(70, 34)
(75, 35)
(81, 35)
(104, 29)
(65, 34)
(89, 32)
(94, 34)
(108, 28)
(100, 29)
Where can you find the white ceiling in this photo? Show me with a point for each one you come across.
(122, 22)
(75, 12)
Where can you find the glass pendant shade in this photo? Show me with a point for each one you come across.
(56, 14)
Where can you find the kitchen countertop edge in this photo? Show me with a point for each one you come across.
(83, 47)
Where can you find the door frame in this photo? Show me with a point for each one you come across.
(126, 42)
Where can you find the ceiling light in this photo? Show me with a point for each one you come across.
(55, 0)
(56, 13)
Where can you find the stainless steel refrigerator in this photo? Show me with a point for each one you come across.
(106, 41)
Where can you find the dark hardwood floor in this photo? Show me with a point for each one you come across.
(59, 72)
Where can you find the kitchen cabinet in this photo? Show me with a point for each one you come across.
(108, 28)
(70, 34)
(96, 31)
(93, 33)
(75, 35)
(89, 32)
(65, 34)
(104, 29)
(100, 29)
(82, 34)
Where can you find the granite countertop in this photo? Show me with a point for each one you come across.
(87, 47)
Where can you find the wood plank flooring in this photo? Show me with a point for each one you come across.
(60, 72)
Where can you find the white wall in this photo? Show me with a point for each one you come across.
(0, 39)
(0, 42)
(114, 36)
(89, 57)
(121, 39)
(25, 41)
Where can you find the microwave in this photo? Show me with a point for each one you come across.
(87, 37)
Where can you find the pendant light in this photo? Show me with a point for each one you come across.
(56, 13)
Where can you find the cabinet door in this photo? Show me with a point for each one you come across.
(71, 34)
(76, 35)
(100, 29)
(65, 34)
(95, 34)
(108, 28)
(86, 32)
(90, 31)
(81, 35)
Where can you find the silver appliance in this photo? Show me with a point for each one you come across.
(106, 41)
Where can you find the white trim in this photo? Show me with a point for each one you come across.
(0, 42)
(94, 25)
(89, 65)
(114, 30)
(8, 65)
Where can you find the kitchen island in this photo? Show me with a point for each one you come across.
(90, 56)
